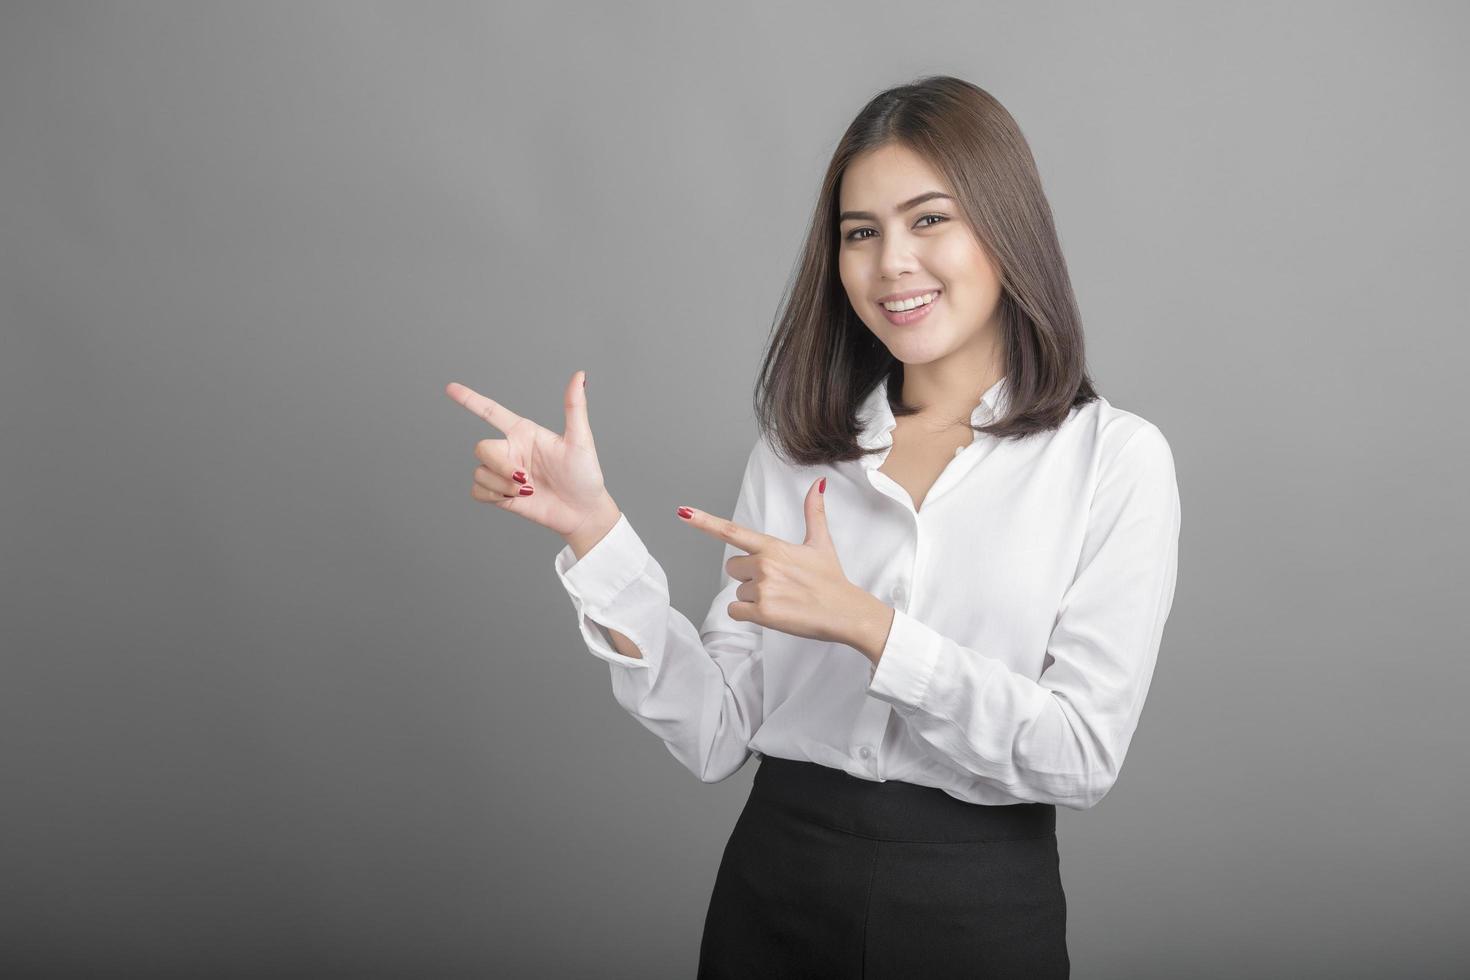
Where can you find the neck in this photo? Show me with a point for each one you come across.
(948, 391)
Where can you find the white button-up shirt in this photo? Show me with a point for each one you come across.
(1029, 590)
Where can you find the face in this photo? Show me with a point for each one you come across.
(929, 246)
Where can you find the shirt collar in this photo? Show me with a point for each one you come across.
(876, 421)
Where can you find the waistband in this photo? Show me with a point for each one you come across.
(891, 810)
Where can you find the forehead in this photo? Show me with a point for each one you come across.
(883, 177)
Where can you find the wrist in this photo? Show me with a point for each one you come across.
(594, 527)
(870, 625)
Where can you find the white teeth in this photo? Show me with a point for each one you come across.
(910, 304)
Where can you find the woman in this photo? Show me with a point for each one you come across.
(963, 642)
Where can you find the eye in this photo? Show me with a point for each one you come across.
(852, 236)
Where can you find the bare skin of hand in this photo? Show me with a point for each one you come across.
(798, 589)
(561, 470)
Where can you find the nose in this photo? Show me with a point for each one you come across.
(895, 258)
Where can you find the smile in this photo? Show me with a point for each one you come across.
(913, 314)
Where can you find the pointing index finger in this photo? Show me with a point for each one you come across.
(486, 408)
(746, 539)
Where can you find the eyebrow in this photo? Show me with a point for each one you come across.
(912, 202)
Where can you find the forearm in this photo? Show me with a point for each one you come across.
(582, 540)
(695, 686)
(624, 645)
(867, 624)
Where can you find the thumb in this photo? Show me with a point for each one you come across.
(816, 515)
(579, 430)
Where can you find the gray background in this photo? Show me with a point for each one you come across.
(280, 699)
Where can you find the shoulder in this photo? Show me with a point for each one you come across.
(761, 461)
(762, 471)
(1119, 446)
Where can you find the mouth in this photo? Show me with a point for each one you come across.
(911, 316)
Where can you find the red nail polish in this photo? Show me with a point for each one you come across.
(526, 491)
(519, 476)
(685, 513)
(822, 487)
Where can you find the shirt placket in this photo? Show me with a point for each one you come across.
(897, 588)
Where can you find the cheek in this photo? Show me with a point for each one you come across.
(962, 262)
(971, 272)
(850, 274)
(846, 273)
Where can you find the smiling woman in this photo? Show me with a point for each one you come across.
(944, 580)
(932, 191)
(902, 271)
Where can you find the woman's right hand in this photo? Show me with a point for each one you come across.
(561, 469)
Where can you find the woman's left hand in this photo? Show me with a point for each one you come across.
(798, 589)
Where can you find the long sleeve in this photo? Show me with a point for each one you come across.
(699, 691)
(1060, 739)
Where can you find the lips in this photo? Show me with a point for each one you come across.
(909, 294)
(911, 316)
(913, 296)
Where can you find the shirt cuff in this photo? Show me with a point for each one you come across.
(907, 664)
(608, 567)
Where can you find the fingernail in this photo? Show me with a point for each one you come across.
(685, 513)
(526, 491)
(822, 487)
(584, 379)
(519, 476)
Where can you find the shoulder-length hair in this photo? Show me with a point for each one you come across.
(821, 360)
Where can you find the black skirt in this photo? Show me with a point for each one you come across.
(829, 875)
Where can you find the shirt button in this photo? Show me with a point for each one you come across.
(864, 752)
(897, 593)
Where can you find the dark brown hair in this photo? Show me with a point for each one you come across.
(821, 360)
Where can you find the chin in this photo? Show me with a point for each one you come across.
(916, 352)
(918, 347)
